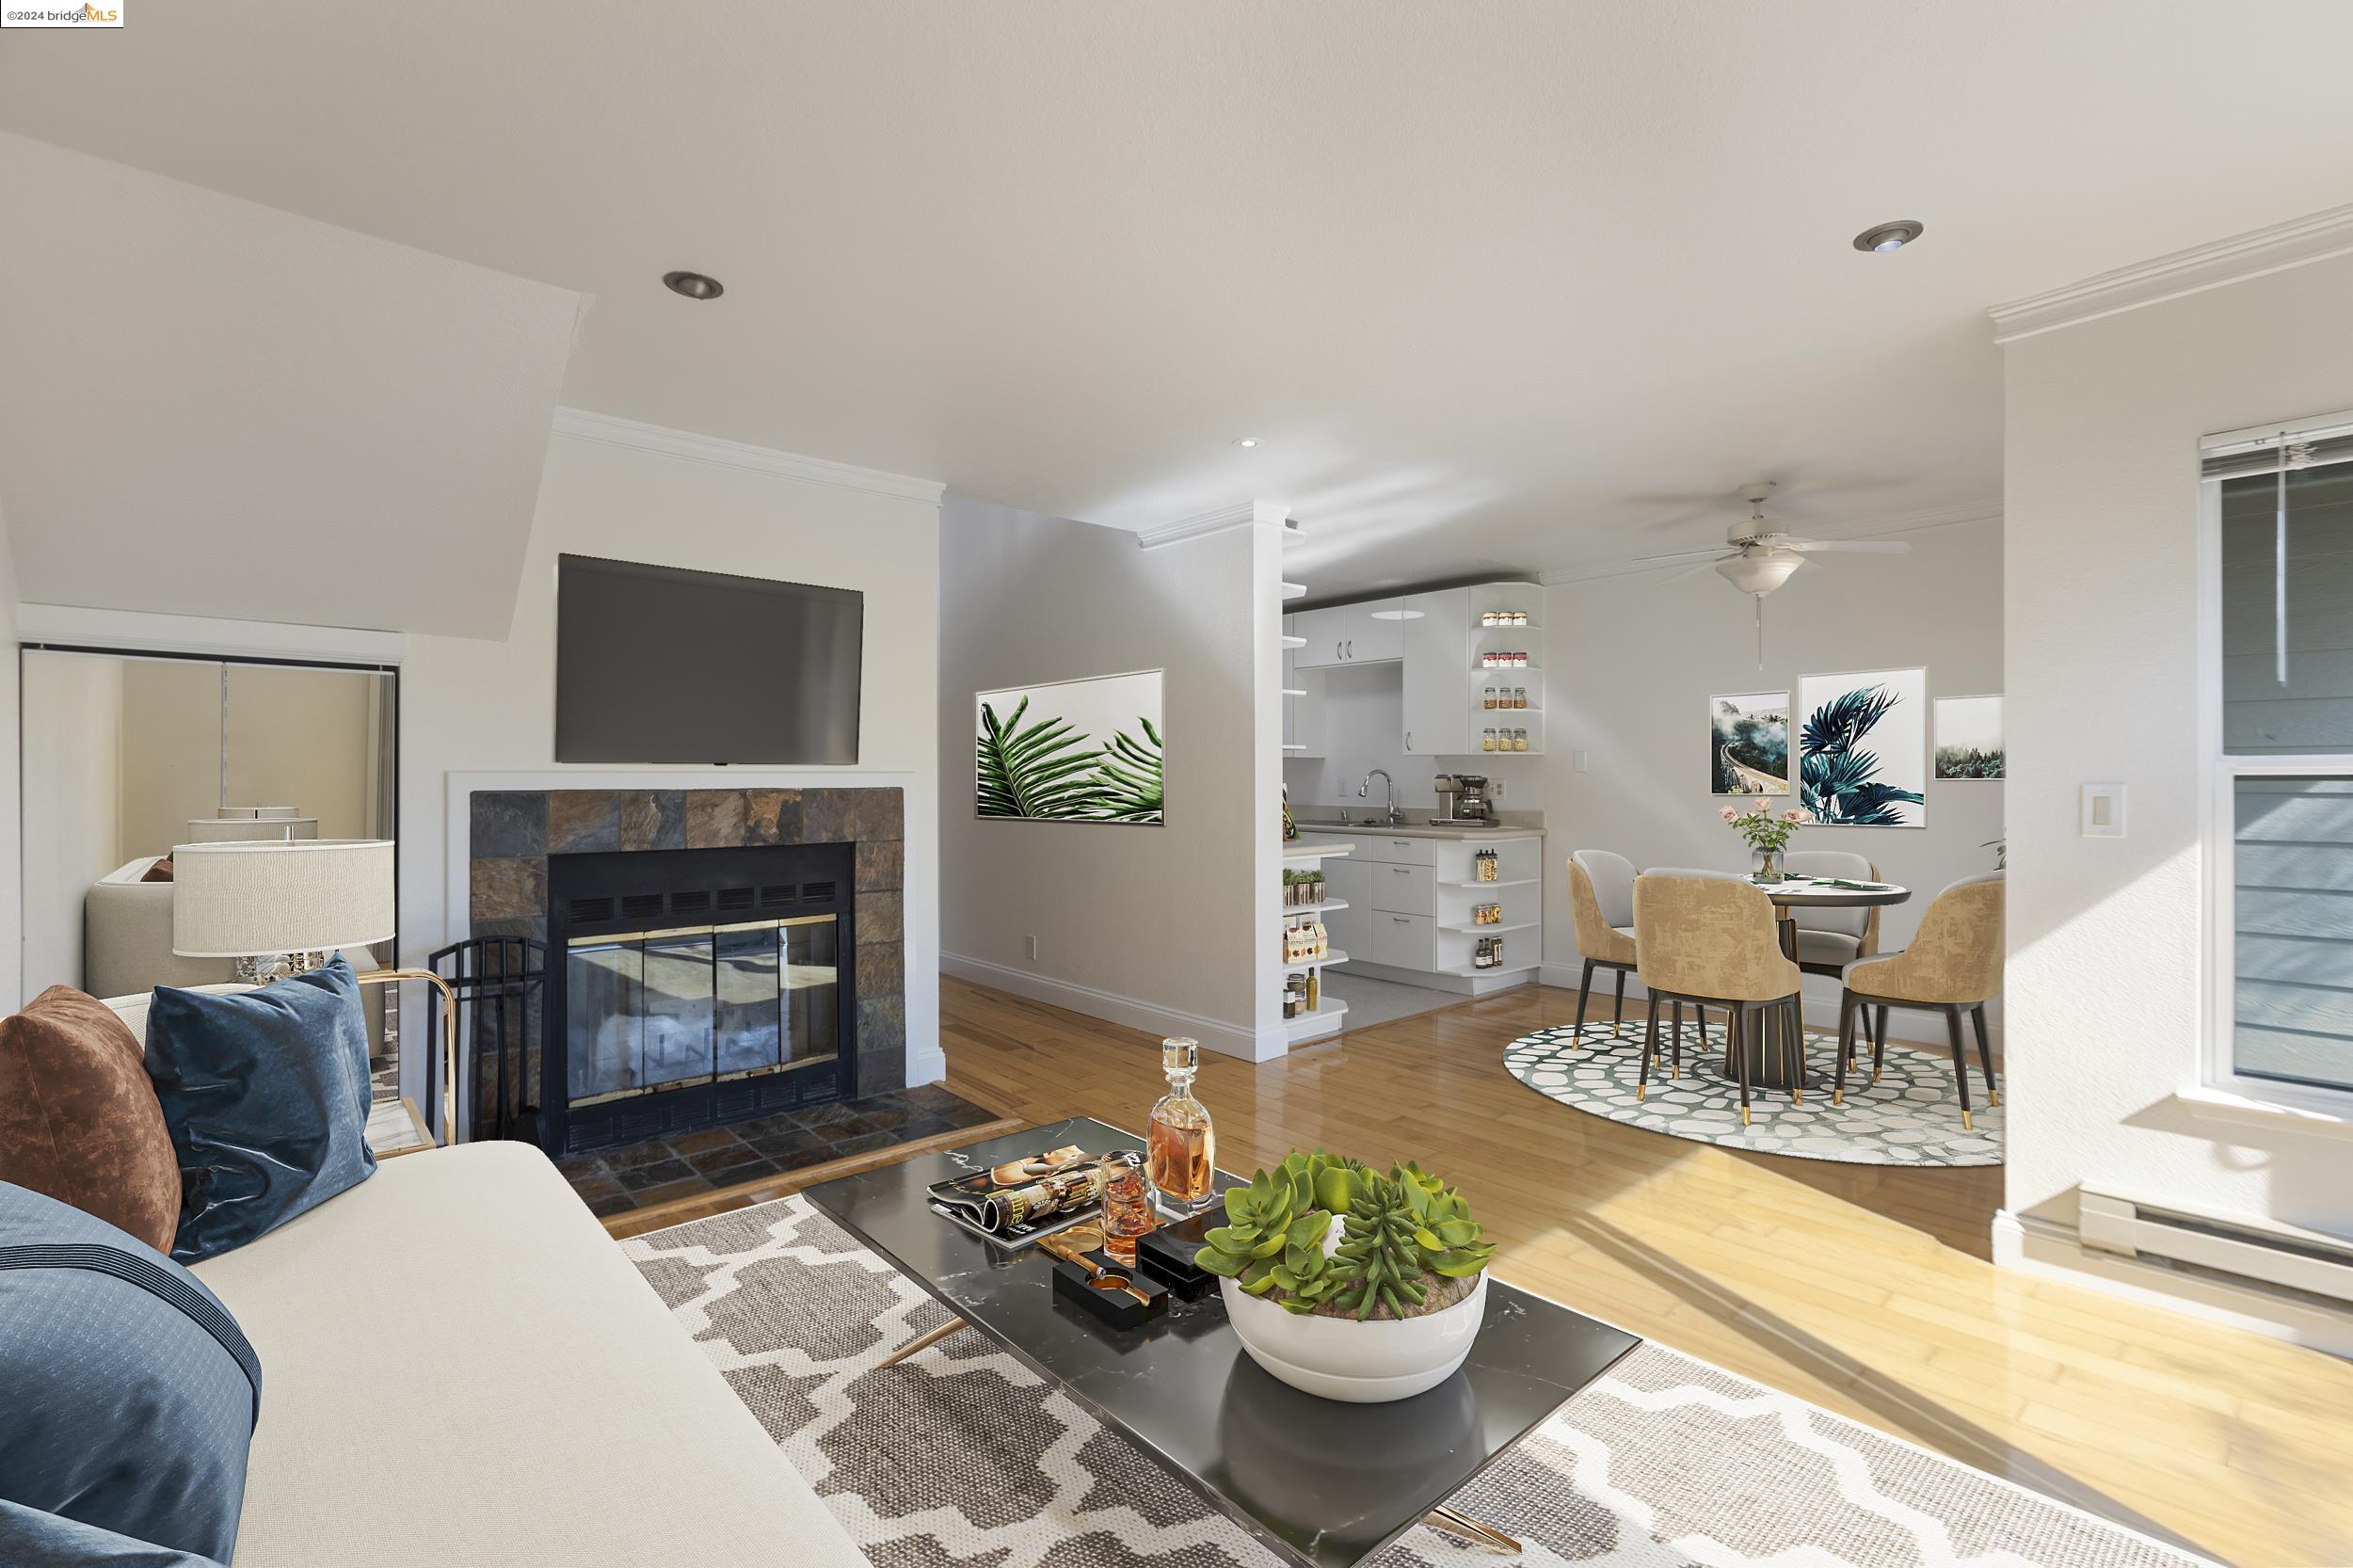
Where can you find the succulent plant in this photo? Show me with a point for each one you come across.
(1402, 1231)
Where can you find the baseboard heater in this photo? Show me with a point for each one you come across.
(2241, 1249)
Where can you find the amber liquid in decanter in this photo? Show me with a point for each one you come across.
(1180, 1148)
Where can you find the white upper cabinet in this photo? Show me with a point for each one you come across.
(1351, 634)
(1326, 632)
(1438, 683)
(1380, 631)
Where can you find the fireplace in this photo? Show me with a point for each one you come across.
(695, 987)
(710, 955)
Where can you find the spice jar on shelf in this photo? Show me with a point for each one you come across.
(1486, 740)
(1490, 699)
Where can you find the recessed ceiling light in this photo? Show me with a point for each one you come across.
(693, 284)
(1889, 236)
(1247, 440)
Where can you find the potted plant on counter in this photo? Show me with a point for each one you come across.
(1350, 1284)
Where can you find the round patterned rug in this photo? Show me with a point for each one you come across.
(1911, 1117)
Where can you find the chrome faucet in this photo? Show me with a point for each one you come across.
(1362, 789)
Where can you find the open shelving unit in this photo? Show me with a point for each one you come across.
(1518, 887)
(1299, 695)
(1484, 640)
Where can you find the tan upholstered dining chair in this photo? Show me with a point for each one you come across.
(1600, 911)
(1714, 940)
(1954, 963)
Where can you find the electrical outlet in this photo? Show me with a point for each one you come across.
(1033, 942)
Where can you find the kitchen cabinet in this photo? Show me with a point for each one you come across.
(1402, 942)
(1351, 634)
(1438, 682)
(1414, 899)
(1346, 882)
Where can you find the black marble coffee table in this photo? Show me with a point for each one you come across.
(1325, 1484)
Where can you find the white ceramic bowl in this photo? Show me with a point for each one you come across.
(1339, 1358)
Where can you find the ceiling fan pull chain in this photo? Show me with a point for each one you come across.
(1760, 629)
(2279, 568)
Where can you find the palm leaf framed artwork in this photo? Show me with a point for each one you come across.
(1863, 748)
(1080, 751)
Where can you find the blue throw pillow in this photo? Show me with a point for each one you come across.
(31, 1538)
(127, 1394)
(266, 1094)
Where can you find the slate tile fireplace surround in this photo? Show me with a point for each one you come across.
(833, 866)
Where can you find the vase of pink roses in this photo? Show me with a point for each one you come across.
(1768, 834)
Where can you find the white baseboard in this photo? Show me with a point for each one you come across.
(2051, 1250)
(1214, 1035)
(925, 1066)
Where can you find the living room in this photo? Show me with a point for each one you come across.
(858, 734)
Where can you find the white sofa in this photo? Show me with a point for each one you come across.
(126, 937)
(459, 1368)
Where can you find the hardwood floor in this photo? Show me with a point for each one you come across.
(1865, 1289)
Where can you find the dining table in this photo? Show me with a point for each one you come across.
(1769, 1066)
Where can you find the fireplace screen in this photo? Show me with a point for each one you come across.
(653, 1010)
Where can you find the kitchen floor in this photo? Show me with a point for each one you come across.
(1379, 1001)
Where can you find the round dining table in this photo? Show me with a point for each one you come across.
(1769, 1066)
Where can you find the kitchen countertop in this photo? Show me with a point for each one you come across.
(1416, 829)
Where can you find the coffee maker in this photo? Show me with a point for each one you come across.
(1462, 800)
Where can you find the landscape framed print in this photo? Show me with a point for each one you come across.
(1862, 745)
(1969, 736)
(1748, 743)
(1081, 751)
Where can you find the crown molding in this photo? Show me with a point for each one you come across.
(611, 430)
(2315, 237)
(1952, 516)
(1221, 519)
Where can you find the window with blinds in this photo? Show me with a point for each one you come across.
(2281, 507)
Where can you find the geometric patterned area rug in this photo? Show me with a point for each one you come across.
(1911, 1116)
(961, 1457)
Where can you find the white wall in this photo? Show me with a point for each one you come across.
(1364, 729)
(2103, 423)
(470, 706)
(1148, 927)
(1634, 663)
(73, 707)
(298, 737)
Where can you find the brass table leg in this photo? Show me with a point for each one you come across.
(1446, 1519)
(921, 1342)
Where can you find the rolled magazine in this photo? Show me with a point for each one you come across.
(1014, 1204)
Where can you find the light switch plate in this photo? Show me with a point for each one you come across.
(2104, 811)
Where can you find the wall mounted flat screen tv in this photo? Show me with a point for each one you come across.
(662, 664)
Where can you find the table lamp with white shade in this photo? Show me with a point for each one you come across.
(284, 908)
(213, 830)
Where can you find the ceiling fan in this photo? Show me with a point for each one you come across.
(1758, 556)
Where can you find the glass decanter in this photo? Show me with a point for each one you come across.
(1181, 1148)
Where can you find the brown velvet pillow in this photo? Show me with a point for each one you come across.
(79, 1120)
(159, 871)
